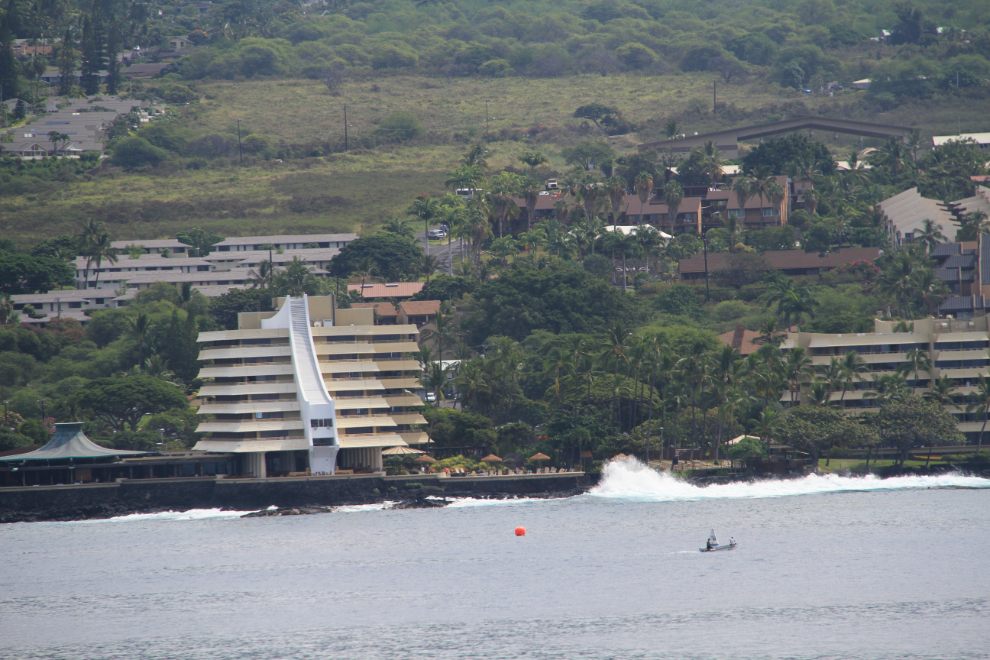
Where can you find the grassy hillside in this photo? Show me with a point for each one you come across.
(357, 190)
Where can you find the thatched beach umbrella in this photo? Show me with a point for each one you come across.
(426, 458)
(539, 458)
(491, 459)
(401, 451)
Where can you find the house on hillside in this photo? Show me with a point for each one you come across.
(793, 263)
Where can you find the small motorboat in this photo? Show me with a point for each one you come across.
(713, 545)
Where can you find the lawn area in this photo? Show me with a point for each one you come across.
(858, 465)
(361, 189)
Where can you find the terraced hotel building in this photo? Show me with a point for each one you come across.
(309, 389)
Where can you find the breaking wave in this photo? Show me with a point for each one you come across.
(630, 479)
(192, 514)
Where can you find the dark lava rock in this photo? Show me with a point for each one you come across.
(294, 511)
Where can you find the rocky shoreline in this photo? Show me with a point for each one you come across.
(296, 497)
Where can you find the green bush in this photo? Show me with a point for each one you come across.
(400, 126)
(134, 152)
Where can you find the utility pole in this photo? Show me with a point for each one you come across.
(486, 118)
(345, 127)
(240, 155)
(708, 295)
(715, 97)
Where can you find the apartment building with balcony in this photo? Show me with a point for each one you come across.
(957, 348)
(309, 389)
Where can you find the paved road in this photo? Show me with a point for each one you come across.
(440, 251)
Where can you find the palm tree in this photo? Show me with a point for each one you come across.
(712, 161)
(616, 188)
(400, 227)
(476, 156)
(673, 195)
(980, 402)
(943, 392)
(139, 327)
(504, 247)
(811, 197)
(647, 238)
(502, 189)
(444, 331)
(798, 368)
(898, 280)
(467, 177)
(777, 196)
(931, 288)
(617, 340)
(97, 249)
(262, 277)
(644, 186)
(530, 194)
(589, 192)
(931, 235)
(295, 279)
(792, 303)
(972, 225)
(853, 368)
(366, 269)
(820, 393)
(889, 387)
(561, 209)
(761, 186)
(534, 159)
(743, 187)
(427, 209)
(429, 265)
(554, 366)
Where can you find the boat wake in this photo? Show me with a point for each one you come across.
(629, 479)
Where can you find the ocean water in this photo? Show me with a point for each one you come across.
(826, 567)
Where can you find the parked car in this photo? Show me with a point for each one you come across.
(436, 234)
(431, 397)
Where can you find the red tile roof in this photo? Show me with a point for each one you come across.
(391, 290)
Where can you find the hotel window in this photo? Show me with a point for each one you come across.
(737, 213)
(769, 213)
(321, 423)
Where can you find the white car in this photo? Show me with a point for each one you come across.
(436, 234)
(431, 397)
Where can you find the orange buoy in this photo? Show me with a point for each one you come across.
(520, 531)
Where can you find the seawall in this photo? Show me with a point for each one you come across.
(88, 501)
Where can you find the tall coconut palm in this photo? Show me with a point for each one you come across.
(590, 191)
(980, 402)
(428, 266)
(931, 235)
(644, 186)
(534, 159)
(647, 238)
(798, 368)
(99, 248)
(427, 209)
(531, 195)
(673, 195)
(562, 210)
(943, 392)
(617, 340)
(502, 188)
(743, 187)
(915, 362)
(712, 161)
(616, 189)
(777, 195)
(853, 368)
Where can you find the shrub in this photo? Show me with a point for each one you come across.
(134, 152)
(400, 126)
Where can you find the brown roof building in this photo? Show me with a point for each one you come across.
(790, 262)
(419, 312)
(741, 339)
(390, 290)
(385, 312)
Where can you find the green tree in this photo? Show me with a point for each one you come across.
(133, 152)
(815, 429)
(122, 402)
(914, 422)
(200, 241)
(395, 257)
(21, 273)
(400, 126)
(560, 297)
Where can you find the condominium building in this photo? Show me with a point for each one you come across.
(957, 348)
(309, 389)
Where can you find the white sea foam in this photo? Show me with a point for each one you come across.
(192, 514)
(630, 479)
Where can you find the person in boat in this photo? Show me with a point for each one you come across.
(709, 545)
(732, 540)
